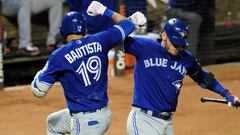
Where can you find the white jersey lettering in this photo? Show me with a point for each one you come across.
(181, 69)
(161, 62)
(158, 62)
(84, 50)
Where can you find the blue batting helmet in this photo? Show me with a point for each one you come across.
(176, 31)
(73, 23)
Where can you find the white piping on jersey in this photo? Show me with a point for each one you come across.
(49, 84)
(121, 30)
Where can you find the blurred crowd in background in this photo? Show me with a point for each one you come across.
(22, 13)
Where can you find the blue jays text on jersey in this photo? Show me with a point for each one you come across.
(162, 62)
(81, 67)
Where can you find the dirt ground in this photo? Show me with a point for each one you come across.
(23, 114)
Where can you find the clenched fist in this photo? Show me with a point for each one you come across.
(138, 19)
(96, 8)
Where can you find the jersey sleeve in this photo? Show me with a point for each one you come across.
(49, 74)
(206, 79)
(133, 45)
(194, 68)
(115, 35)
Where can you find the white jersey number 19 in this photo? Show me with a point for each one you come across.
(93, 66)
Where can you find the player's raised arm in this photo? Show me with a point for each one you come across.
(96, 8)
(125, 26)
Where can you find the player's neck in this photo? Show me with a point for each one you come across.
(73, 37)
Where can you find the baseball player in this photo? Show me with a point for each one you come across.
(81, 67)
(158, 76)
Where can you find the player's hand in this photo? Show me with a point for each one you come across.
(96, 8)
(232, 100)
(138, 19)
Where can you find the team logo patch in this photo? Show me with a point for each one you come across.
(177, 84)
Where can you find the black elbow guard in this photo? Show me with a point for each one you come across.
(209, 80)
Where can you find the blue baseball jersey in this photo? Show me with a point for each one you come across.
(95, 23)
(158, 77)
(81, 67)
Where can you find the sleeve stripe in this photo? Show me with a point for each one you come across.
(45, 83)
(121, 30)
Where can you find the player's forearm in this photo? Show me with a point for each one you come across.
(97, 8)
(126, 25)
(218, 88)
(207, 80)
(116, 17)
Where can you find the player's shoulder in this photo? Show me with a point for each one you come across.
(99, 36)
(187, 56)
(145, 41)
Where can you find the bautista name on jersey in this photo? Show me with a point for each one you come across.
(84, 50)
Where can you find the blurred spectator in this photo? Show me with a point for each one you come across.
(155, 11)
(206, 8)
(23, 9)
(95, 23)
(137, 5)
(152, 9)
(187, 10)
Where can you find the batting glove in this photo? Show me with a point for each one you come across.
(138, 19)
(232, 100)
(96, 8)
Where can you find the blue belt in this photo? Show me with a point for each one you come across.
(161, 115)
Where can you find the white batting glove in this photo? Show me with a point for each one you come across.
(96, 8)
(138, 19)
(233, 103)
(232, 100)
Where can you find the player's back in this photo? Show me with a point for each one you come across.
(84, 72)
(81, 67)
